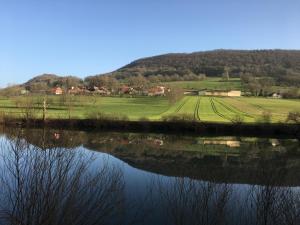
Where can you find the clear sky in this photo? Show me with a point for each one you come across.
(86, 37)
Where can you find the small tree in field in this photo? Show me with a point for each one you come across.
(174, 95)
(266, 117)
(225, 76)
(293, 117)
(27, 107)
(70, 105)
(238, 119)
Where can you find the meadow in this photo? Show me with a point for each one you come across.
(197, 108)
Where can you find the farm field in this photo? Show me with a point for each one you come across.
(198, 108)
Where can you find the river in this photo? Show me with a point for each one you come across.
(78, 177)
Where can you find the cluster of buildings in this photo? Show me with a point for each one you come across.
(230, 93)
(82, 90)
(221, 93)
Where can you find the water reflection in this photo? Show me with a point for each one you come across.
(63, 177)
(55, 186)
(189, 202)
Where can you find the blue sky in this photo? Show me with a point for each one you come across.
(86, 37)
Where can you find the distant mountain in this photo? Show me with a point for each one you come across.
(45, 81)
(274, 63)
(45, 78)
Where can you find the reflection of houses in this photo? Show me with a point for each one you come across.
(57, 91)
(157, 91)
(274, 142)
(223, 93)
(158, 142)
(229, 143)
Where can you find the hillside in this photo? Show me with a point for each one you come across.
(283, 65)
(52, 80)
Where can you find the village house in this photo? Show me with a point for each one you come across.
(223, 93)
(102, 91)
(126, 90)
(76, 90)
(99, 90)
(157, 91)
(191, 92)
(276, 95)
(24, 92)
(57, 91)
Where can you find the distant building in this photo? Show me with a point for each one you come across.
(126, 90)
(191, 92)
(102, 91)
(224, 93)
(24, 92)
(276, 95)
(77, 90)
(157, 91)
(57, 91)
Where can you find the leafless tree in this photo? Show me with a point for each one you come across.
(56, 186)
(193, 202)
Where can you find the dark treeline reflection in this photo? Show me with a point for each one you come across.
(53, 178)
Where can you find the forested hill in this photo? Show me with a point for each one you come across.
(274, 63)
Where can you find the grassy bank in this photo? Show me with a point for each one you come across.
(177, 127)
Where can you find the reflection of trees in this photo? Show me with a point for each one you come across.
(272, 204)
(56, 187)
(192, 202)
(189, 201)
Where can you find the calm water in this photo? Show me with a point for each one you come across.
(73, 177)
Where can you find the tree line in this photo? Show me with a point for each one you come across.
(282, 65)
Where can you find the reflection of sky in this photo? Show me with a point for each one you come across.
(139, 183)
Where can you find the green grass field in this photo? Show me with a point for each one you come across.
(206, 109)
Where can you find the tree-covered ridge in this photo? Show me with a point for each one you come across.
(45, 81)
(283, 65)
(258, 70)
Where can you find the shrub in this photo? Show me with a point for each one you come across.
(293, 117)
(144, 119)
(104, 116)
(238, 119)
(2, 117)
(179, 117)
(265, 117)
(27, 107)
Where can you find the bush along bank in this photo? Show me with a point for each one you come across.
(177, 126)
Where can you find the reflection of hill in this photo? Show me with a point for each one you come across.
(244, 160)
(249, 166)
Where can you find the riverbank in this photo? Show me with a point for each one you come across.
(177, 127)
